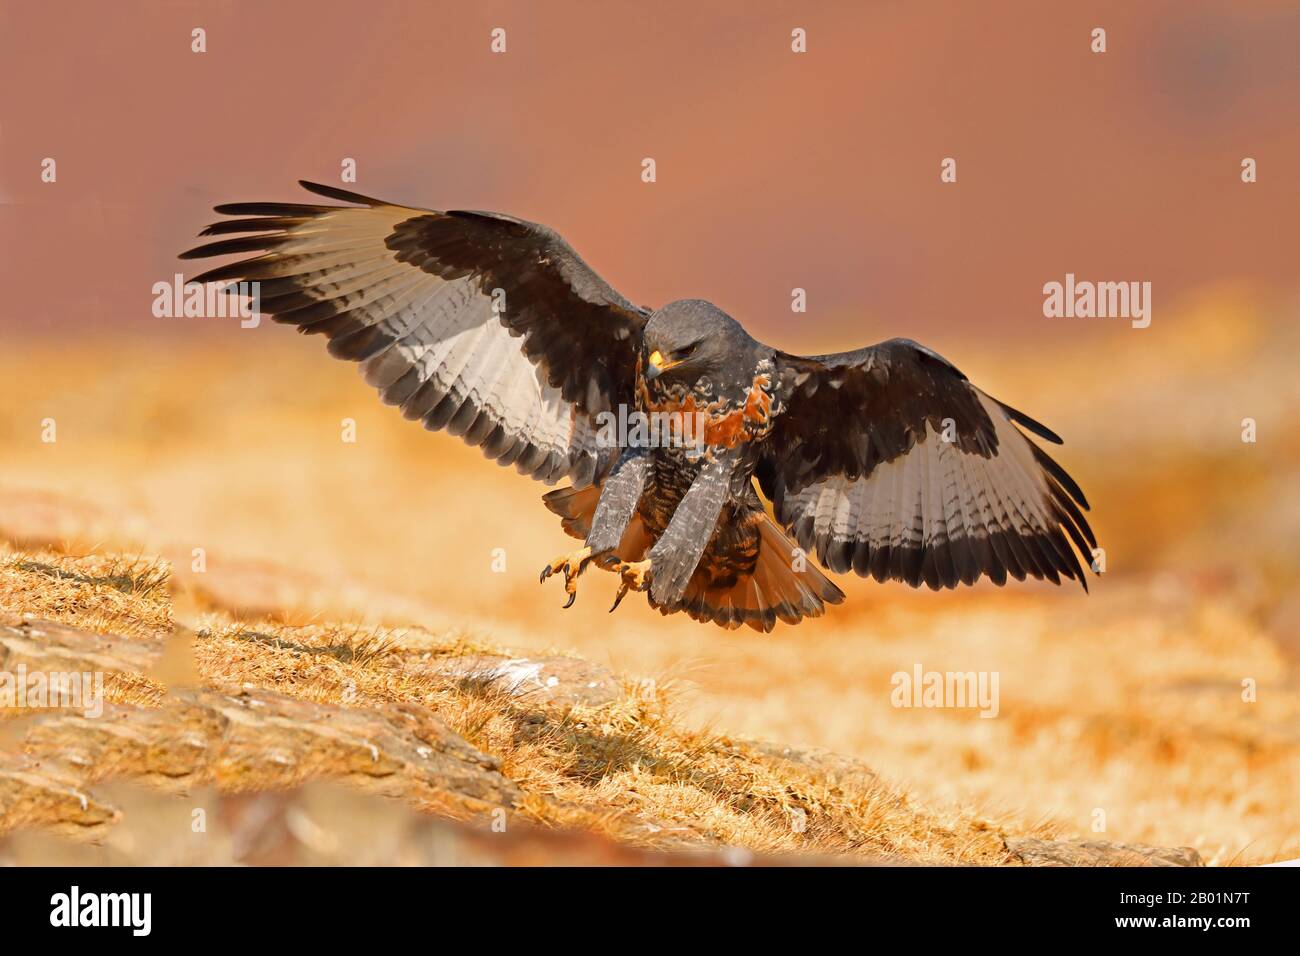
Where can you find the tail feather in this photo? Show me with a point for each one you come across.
(575, 506)
(773, 591)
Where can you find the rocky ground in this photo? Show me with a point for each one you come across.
(221, 740)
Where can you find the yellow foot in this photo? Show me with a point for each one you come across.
(572, 565)
(635, 577)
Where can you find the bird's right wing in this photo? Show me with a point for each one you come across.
(887, 461)
(485, 325)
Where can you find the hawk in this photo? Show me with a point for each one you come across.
(885, 461)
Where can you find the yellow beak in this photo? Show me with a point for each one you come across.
(658, 365)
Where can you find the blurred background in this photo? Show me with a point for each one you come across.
(775, 170)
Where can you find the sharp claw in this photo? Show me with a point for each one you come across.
(572, 566)
(618, 598)
(631, 577)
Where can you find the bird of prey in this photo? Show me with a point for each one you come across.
(885, 461)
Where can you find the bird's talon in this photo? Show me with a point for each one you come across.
(634, 576)
(572, 565)
(618, 598)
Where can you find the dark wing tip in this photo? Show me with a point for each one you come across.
(1050, 465)
(225, 247)
(1037, 427)
(343, 195)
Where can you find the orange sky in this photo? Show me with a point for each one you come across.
(775, 170)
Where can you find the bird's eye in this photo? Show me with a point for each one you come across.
(688, 351)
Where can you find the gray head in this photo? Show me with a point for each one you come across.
(691, 338)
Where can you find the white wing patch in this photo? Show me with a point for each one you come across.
(442, 354)
(940, 515)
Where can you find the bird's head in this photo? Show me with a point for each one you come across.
(691, 338)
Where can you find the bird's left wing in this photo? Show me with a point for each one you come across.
(889, 462)
(485, 325)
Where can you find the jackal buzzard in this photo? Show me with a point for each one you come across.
(886, 460)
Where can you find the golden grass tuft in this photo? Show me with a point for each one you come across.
(103, 593)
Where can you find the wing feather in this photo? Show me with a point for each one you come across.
(415, 297)
(888, 461)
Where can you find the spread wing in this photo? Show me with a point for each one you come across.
(485, 325)
(887, 461)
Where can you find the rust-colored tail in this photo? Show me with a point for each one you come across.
(773, 591)
(577, 506)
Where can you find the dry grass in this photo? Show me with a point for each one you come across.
(104, 593)
(599, 766)
(627, 767)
